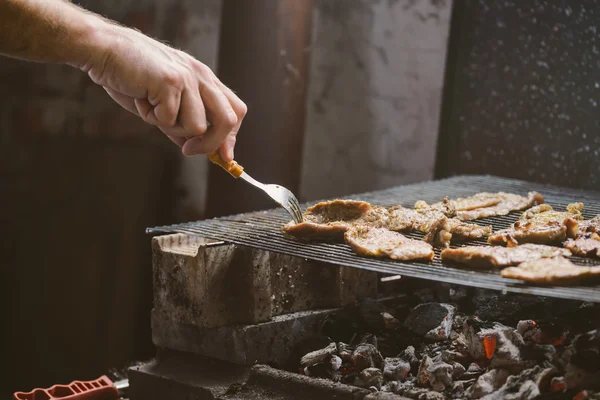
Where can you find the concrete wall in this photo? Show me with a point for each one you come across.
(374, 98)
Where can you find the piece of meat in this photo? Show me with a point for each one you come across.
(439, 236)
(542, 225)
(445, 207)
(328, 219)
(500, 257)
(589, 226)
(442, 231)
(587, 245)
(381, 242)
(555, 270)
(484, 205)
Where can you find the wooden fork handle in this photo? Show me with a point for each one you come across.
(232, 167)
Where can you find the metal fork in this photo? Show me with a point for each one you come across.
(281, 195)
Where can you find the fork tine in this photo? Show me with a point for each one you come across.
(296, 209)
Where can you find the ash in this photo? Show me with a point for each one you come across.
(445, 348)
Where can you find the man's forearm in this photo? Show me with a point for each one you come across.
(48, 31)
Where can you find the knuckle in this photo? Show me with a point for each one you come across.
(242, 109)
(174, 78)
(230, 119)
(204, 69)
(201, 128)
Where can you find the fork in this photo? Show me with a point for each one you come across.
(281, 195)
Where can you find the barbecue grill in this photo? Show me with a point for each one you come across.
(263, 230)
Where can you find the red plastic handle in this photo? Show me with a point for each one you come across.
(99, 389)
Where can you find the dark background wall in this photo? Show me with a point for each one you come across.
(522, 92)
(80, 180)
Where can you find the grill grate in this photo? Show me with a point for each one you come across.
(263, 230)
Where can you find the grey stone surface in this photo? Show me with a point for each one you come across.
(268, 342)
(211, 284)
(373, 103)
(182, 376)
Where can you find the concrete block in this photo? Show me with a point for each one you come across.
(208, 284)
(269, 342)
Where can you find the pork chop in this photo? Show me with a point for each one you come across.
(555, 270)
(589, 226)
(484, 205)
(587, 245)
(381, 242)
(500, 257)
(442, 231)
(542, 225)
(328, 219)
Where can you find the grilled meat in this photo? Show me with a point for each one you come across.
(551, 270)
(542, 225)
(381, 242)
(589, 226)
(442, 231)
(500, 257)
(329, 219)
(436, 223)
(587, 245)
(484, 205)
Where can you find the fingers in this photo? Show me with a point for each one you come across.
(213, 138)
(123, 100)
(161, 110)
(192, 116)
(240, 109)
(221, 115)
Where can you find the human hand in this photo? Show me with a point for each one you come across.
(167, 88)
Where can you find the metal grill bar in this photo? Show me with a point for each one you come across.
(263, 230)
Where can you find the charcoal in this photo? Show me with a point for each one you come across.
(470, 343)
(525, 386)
(305, 346)
(451, 356)
(558, 384)
(586, 351)
(508, 345)
(369, 377)
(510, 308)
(345, 351)
(423, 374)
(335, 362)
(539, 353)
(395, 369)
(457, 369)
(390, 322)
(365, 356)
(583, 369)
(528, 330)
(472, 372)
(319, 370)
(409, 355)
(487, 383)
(440, 375)
(317, 356)
(577, 377)
(383, 396)
(459, 387)
(431, 320)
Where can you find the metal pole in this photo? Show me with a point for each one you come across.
(264, 58)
